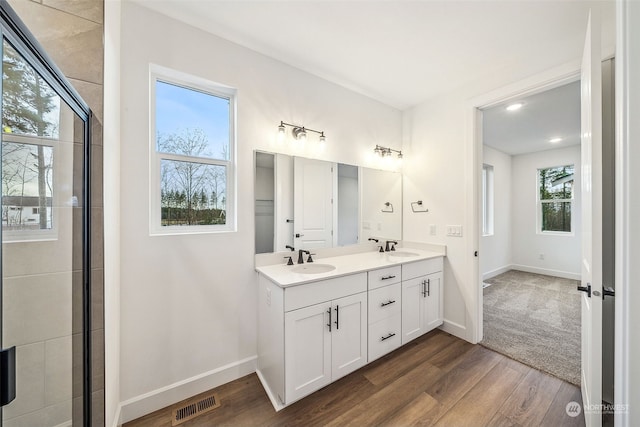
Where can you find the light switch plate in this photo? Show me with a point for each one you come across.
(432, 229)
(454, 230)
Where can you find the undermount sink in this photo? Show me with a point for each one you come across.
(402, 254)
(313, 268)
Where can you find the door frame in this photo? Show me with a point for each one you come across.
(550, 79)
(16, 32)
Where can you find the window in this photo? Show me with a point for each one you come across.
(487, 200)
(33, 124)
(555, 198)
(193, 145)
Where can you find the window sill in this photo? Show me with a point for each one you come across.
(557, 233)
(182, 231)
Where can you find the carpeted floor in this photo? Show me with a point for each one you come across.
(535, 319)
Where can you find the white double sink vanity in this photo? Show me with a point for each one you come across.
(320, 321)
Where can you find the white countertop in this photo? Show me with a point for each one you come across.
(282, 274)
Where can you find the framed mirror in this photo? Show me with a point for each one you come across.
(306, 203)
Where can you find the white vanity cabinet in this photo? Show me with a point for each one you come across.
(421, 298)
(312, 334)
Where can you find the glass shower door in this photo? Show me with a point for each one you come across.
(44, 285)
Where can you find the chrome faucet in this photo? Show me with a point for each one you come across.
(393, 246)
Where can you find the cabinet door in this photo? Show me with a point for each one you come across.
(412, 301)
(348, 334)
(307, 350)
(432, 314)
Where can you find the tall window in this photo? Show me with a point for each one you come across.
(487, 200)
(193, 146)
(31, 130)
(555, 198)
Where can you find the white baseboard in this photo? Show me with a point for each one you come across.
(548, 272)
(117, 418)
(455, 329)
(157, 399)
(274, 400)
(494, 273)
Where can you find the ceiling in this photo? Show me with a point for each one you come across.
(400, 52)
(554, 113)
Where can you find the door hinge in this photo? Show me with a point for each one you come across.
(586, 289)
(7, 375)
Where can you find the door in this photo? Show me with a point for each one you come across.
(591, 280)
(44, 286)
(412, 290)
(283, 202)
(432, 315)
(307, 350)
(313, 203)
(349, 335)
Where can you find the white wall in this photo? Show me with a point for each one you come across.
(111, 182)
(188, 302)
(627, 213)
(561, 252)
(378, 220)
(439, 168)
(495, 249)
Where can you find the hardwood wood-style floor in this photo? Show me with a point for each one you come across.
(437, 379)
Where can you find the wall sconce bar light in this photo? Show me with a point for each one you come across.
(299, 132)
(386, 151)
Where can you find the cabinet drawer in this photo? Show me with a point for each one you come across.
(421, 268)
(384, 276)
(384, 336)
(384, 302)
(324, 290)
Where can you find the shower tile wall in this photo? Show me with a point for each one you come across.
(71, 31)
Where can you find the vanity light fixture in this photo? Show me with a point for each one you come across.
(299, 132)
(386, 151)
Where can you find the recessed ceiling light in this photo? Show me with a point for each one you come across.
(514, 107)
(555, 139)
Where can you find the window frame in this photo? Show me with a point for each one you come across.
(187, 81)
(540, 202)
(488, 208)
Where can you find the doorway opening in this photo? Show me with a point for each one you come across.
(531, 229)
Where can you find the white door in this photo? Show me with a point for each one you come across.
(412, 290)
(432, 315)
(349, 335)
(307, 350)
(591, 118)
(313, 203)
(283, 202)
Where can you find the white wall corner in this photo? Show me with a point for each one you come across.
(147, 403)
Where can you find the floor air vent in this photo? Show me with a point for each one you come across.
(194, 407)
